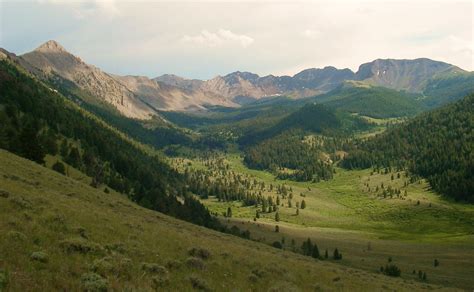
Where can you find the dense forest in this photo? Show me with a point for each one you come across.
(310, 118)
(376, 102)
(289, 156)
(441, 90)
(35, 121)
(438, 146)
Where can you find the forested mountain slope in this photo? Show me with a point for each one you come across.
(376, 102)
(35, 120)
(438, 145)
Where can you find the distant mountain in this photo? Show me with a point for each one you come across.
(51, 58)
(164, 96)
(242, 87)
(413, 76)
(408, 75)
(174, 80)
(142, 98)
(133, 96)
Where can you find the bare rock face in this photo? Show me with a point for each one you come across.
(51, 58)
(164, 96)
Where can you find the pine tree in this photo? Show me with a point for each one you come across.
(277, 216)
(229, 212)
(326, 255)
(315, 251)
(31, 147)
(277, 228)
(303, 204)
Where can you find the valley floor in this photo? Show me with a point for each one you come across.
(413, 229)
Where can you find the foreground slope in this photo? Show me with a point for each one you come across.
(60, 234)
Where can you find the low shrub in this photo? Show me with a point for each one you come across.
(93, 282)
(198, 283)
(195, 263)
(16, 236)
(277, 244)
(4, 194)
(21, 203)
(39, 256)
(200, 253)
(154, 268)
(79, 245)
(392, 271)
(3, 280)
(173, 264)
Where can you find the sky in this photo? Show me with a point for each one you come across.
(202, 39)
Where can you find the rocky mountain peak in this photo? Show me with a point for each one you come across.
(51, 46)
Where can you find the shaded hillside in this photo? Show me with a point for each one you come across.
(35, 120)
(442, 90)
(310, 118)
(438, 145)
(376, 102)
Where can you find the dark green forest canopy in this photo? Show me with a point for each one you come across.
(376, 102)
(310, 118)
(438, 146)
(287, 150)
(35, 120)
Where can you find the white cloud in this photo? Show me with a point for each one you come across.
(219, 38)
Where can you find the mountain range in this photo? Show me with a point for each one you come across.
(142, 98)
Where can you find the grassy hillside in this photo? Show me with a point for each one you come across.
(60, 234)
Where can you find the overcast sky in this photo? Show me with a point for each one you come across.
(204, 39)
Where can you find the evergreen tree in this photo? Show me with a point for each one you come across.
(303, 204)
(229, 212)
(31, 147)
(277, 216)
(315, 251)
